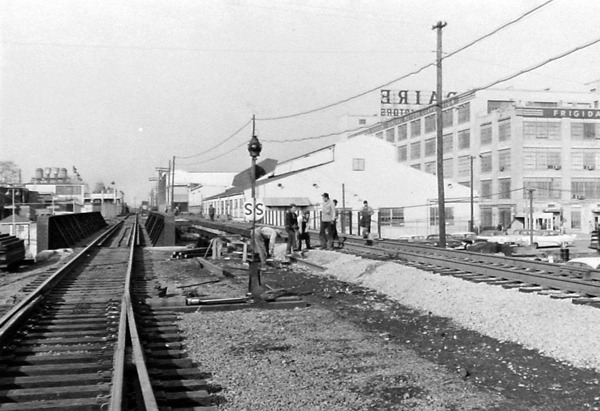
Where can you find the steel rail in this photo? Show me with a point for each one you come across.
(532, 273)
(20, 312)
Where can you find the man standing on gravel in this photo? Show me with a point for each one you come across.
(365, 219)
(327, 221)
(291, 225)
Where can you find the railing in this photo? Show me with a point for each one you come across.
(161, 229)
(66, 230)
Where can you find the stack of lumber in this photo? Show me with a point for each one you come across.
(12, 250)
(190, 253)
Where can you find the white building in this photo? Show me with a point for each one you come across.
(352, 171)
(538, 148)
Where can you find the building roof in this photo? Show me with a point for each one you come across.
(286, 201)
(18, 220)
(244, 179)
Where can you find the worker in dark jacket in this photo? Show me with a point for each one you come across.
(291, 226)
(304, 235)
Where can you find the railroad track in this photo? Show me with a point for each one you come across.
(556, 280)
(85, 340)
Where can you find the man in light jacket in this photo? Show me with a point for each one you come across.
(327, 221)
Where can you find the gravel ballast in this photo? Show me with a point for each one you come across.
(556, 328)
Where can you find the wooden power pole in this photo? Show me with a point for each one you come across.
(440, 139)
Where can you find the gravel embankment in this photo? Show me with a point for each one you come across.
(556, 328)
(307, 359)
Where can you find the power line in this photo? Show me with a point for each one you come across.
(209, 50)
(317, 137)
(221, 143)
(214, 158)
(406, 75)
(535, 67)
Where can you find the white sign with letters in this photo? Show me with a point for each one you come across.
(255, 213)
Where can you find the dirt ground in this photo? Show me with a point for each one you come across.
(445, 367)
(493, 375)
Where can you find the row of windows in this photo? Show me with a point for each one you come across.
(534, 158)
(415, 128)
(550, 130)
(532, 130)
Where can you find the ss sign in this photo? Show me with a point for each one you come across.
(257, 213)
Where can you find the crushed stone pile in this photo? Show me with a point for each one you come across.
(556, 328)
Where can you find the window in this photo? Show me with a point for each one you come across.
(415, 150)
(402, 153)
(362, 122)
(379, 135)
(498, 105)
(585, 131)
(589, 160)
(434, 217)
(504, 130)
(415, 128)
(68, 190)
(464, 139)
(448, 168)
(448, 117)
(541, 158)
(391, 217)
(548, 188)
(576, 219)
(464, 113)
(358, 164)
(585, 188)
(486, 217)
(486, 189)
(402, 132)
(430, 123)
(486, 135)
(390, 135)
(416, 166)
(486, 163)
(504, 160)
(430, 147)
(464, 166)
(431, 168)
(541, 130)
(584, 158)
(448, 143)
(504, 191)
(505, 216)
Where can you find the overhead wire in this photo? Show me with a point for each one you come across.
(302, 113)
(220, 144)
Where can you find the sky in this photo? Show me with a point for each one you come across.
(118, 88)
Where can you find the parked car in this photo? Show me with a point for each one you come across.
(412, 238)
(495, 236)
(467, 237)
(585, 262)
(434, 240)
(543, 238)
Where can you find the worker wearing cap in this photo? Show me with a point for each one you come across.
(261, 235)
(327, 221)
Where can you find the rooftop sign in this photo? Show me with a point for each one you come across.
(583, 113)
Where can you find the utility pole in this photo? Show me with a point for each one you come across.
(440, 139)
(343, 219)
(167, 191)
(173, 187)
(472, 222)
(530, 190)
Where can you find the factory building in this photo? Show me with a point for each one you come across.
(529, 154)
(57, 191)
(353, 171)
